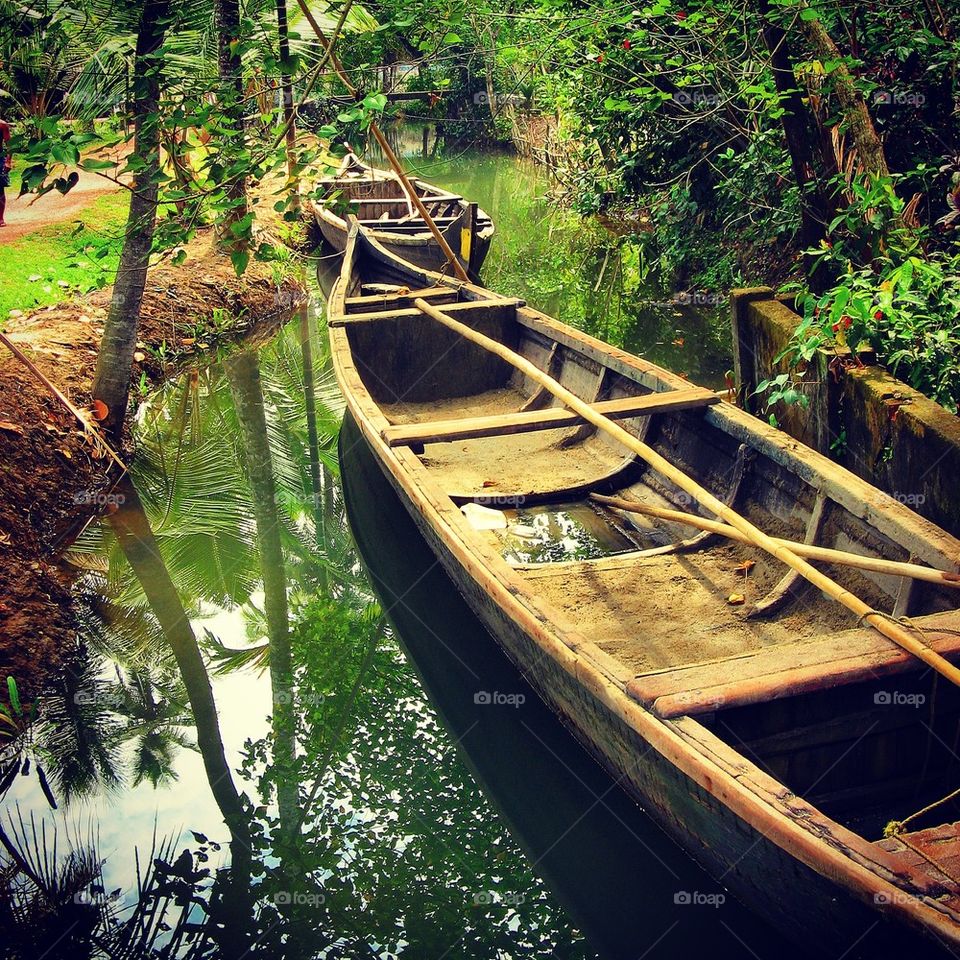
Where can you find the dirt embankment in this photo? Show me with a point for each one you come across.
(51, 477)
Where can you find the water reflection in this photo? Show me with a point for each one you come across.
(241, 703)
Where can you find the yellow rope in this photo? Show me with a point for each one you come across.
(896, 827)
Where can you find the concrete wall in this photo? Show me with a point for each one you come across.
(863, 418)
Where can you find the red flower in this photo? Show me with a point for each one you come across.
(847, 322)
(681, 15)
(599, 58)
(626, 44)
(878, 315)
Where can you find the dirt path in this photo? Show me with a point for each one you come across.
(29, 213)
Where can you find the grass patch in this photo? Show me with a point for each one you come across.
(84, 256)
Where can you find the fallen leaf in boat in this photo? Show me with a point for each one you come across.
(745, 567)
(736, 599)
(188, 341)
(12, 427)
(678, 342)
(489, 483)
(99, 410)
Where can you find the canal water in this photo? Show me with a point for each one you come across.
(368, 776)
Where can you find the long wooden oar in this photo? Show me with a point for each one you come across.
(895, 568)
(385, 147)
(879, 621)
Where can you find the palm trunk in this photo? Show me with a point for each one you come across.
(140, 547)
(111, 380)
(286, 84)
(230, 68)
(310, 406)
(243, 372)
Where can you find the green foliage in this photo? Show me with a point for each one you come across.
(907, 309)
(893, 293)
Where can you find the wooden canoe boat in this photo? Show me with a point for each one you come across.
(377, 199)
(774, 738)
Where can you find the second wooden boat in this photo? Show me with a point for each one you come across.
(378, 200)
(771, 732)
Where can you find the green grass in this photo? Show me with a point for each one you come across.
(67, 252)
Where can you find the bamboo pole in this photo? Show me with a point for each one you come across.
(386, 148)
(894, 568)
(883, 624)
(89, 427)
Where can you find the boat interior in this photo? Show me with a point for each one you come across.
(691, 624)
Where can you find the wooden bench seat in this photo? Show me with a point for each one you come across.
(549, 419)
(465, 307)
(783, 670)
(394, 297)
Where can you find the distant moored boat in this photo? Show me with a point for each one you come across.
(378, 200)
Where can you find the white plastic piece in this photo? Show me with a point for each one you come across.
(524, 531)
(483, 518)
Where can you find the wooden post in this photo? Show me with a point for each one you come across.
(879, 621)
(468, 231)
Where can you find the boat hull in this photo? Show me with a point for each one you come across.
(811, 876)
(796, 899)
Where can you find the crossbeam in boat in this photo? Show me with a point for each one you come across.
(394, 296)
(466, 307)
(426, 198)
(786, 670)
(472, 428)
(399, 224)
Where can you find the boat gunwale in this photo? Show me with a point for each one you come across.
(859, 866)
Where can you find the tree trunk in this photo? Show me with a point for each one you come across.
(313, 437)
(230, 68)
(286, 83)
(140, 547)
(798, 134)
(111, 380)
(859, 122)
